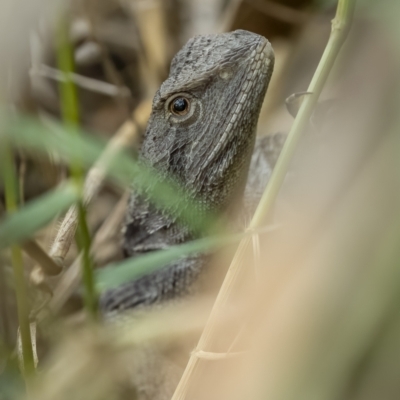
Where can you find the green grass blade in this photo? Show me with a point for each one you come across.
(83, 239)
(10, 194)
(21, 225)
(70, 113)
(31, 135)
(134, 268)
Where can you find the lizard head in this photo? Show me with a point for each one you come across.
(204, 116)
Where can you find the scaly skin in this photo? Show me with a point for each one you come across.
(220, 82)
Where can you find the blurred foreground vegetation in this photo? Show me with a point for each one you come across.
(313, 313)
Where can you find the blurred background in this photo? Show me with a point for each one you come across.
(315, 315)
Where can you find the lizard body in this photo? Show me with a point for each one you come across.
(201, 132)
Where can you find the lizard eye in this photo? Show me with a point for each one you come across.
(182, 109)
(180, 106)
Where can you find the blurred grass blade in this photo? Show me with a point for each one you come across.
(70, 113)
(134, 268)
(31, 135)
(339, 29)
(10, 194)
(65, 60)
(84, 242)
(21, 225)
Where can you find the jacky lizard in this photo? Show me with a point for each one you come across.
(202, 132)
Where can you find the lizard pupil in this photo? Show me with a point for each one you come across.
(180, 106)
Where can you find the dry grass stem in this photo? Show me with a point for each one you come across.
(35, 251)
(84, 82)
(340, 26)
(125, 136)
(308, 306)
(229, 16)
(69, 282)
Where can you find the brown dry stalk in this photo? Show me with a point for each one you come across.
(126, 134)
(69, 281)
(84, 82)
(154, 50)
(340, 26)
(124, 137)
(35, 251)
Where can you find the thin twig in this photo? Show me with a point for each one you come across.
(124, 137)
(72, 276)
(94, 85)
(154, 38)
(35, 251)
(340, 27)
